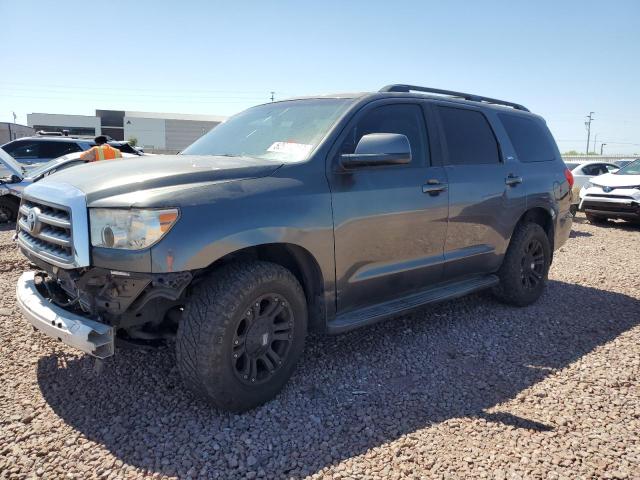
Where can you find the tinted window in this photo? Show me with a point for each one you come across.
(57, 149)
(405, 119)
(469, 137)
(528, 137)
(595, 169)
(22, 149)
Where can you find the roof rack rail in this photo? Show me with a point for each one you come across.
(466, 96)
(42, 133)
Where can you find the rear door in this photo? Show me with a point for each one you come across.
(389, 234)
(485, 195)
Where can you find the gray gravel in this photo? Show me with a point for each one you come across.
(469, 388)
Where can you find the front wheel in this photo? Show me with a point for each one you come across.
(8, 209)
(242, 334)
(525, 267)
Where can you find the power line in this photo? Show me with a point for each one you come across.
(74, 88)
(147, 99)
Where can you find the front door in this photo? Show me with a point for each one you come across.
(389, 233)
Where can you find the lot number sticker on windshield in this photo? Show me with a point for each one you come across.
(292, 148)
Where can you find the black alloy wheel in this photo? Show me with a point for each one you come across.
(262, 339)
(532, 264)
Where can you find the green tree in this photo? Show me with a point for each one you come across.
(133, 141)
(572, 152)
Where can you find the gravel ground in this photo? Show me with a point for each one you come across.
(469, 388)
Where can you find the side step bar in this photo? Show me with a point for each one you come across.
(370, 315)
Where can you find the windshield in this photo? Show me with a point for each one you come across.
(632, 168)
(285, 132)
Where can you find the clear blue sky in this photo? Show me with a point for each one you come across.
(561, 59)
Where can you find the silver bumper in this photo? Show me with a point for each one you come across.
(91, 337)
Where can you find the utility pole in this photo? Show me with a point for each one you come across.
(273, 96)
(602, 147)
(588, 125)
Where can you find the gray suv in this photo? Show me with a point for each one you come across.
(325, 213)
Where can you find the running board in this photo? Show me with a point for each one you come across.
(370, 315)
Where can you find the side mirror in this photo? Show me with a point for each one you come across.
(377, 149)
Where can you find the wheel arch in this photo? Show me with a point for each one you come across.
(299, 261)
(543, 217)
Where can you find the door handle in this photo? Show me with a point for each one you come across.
(512, 180)
(433, 187)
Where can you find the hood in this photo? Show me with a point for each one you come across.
(615, 180)
(8, 162)
(110, 178)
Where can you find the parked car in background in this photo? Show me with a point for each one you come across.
(614, 195)
(326, 213)
(39, 149)
(624, 163)
(582, 172)
(15, 177)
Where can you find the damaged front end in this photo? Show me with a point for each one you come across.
(135, 306)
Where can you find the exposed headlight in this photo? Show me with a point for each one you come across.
(129, 229)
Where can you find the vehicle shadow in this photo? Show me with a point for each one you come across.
(617, 224)
(350, 393)
(7, 226)
(621, 225)
(577, 234)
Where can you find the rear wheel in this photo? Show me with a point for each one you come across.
(596, 219)
(524, 270)
(8, 208)
(242, 334)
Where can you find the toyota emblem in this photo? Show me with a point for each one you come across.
(33, 222)
(607, 189)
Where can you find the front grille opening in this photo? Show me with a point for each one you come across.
(50, 237)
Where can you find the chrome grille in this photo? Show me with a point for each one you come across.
(45, 230)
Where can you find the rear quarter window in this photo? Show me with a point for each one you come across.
(529, 139)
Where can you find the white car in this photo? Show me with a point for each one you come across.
(14, 177)
(585, 171)
(613, 195)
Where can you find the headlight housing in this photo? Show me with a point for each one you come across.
(587, 185)
(129, 229)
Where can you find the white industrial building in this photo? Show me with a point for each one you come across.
(159, 132)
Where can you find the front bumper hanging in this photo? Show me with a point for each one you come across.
(91, 337)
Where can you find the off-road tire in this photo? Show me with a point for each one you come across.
(511, 289)
(596, 219)
(9, 208)
(205, 339)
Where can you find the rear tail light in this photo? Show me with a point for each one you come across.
(569, 176)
